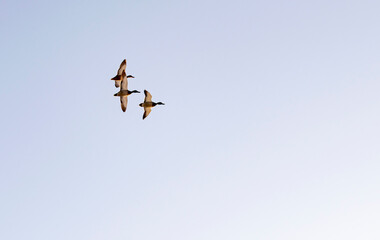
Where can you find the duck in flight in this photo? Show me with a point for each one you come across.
(124, 92)
(118, 77)
(148, 104)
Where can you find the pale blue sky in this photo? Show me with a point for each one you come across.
(270, 129)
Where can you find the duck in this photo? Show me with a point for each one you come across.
(118, 77)
(148, 104)
(124, 92)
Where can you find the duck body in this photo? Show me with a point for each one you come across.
(118, 79)
(123, 93)
(150, 104)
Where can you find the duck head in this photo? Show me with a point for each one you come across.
(160, 103)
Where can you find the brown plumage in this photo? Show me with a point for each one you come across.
(124, 92)
(118, 77)
(148, 104)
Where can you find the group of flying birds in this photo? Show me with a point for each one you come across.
(121, 80)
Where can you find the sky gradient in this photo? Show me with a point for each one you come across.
(270, 129)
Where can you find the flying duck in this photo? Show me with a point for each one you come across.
(124, 92)
(148, 104)
(118, 77)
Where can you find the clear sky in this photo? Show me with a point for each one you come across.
(270, 129)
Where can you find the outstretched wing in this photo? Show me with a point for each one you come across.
(124, 81)
(148, 97)
(122, 67)
(123, 102)
(146, 112)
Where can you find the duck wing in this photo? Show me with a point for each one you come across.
(124, 81)
(147, 110)
(123, 102)
(122, 67)
(148, 97)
